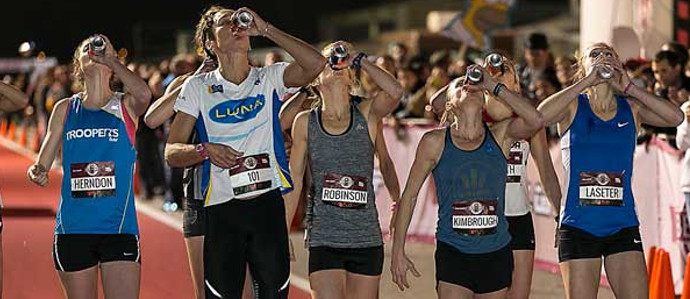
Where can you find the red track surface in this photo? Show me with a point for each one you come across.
(28, 236)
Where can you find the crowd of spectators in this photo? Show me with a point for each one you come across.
(541, 74)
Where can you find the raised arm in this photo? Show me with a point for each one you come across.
(438, 101)
(653, 110)
(529, 120)
(11, 98)
(388, 98)
(289, 110)
(162, 109)
(308, 61)
(539, 148)
(428, 153)
(38, 172)
(138, 94)
(298, 158)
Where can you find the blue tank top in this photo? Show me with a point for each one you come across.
(98, 161)
(598, 164)
(470, 186)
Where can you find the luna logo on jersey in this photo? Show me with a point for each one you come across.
(235, 111)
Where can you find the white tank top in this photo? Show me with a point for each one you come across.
(517, 202)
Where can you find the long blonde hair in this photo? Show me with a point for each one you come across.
(204, 31)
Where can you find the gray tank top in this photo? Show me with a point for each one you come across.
(342, 213)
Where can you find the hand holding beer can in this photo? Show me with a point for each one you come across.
(243, 20)
(97, 45)
(338, 57)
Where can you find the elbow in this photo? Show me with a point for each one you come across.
(397, 93)
(151, 121)
(171, 158)
(316, 68)
(678, 118)
(144, 95)
(537, 123)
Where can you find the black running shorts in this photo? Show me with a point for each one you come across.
(75, 252)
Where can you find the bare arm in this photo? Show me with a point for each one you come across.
(428, 153)
(438, 101)
(298, 158)
(177, 152)
(293, 106)
(308, 61)
(654, 110)
(162, 109)
(385, 101)
(529, 119)
(539, 148)
(390, 176)
(138, 94)
(38, 172)
(11, 98)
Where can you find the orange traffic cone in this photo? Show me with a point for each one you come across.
(22, 136)
(11, 132)
(662, 281)
(3, 127)
(650, 261)
(686, 280)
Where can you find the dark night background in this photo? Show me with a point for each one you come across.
(58, 26)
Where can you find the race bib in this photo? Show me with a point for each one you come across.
(345, 191)
(94, 179)
(475, 218)
(251, 175)
(515, 166)
(601, 189)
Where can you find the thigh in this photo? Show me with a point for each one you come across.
(193, 218)
(82, 284)
(326, 258)
(224, 252)
(364, 261)
(328, 284)
(362, 286)
(114, 248)
(447, 290)
(195, 254)
(121, 279)
(73, 252)
(521, 230)
(267, 251)
(627, 273)
(500, 294)
(523, 261)
(581, 277)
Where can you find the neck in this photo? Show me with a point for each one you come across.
(468, 126)
(97, 91)
(234, 66)
(335, 99)
(601, 98)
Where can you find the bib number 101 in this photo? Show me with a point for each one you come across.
(253, 176)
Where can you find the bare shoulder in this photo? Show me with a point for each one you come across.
(433, 139)
(301, 121)
(61, 107)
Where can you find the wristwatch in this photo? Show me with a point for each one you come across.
(201, 149)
